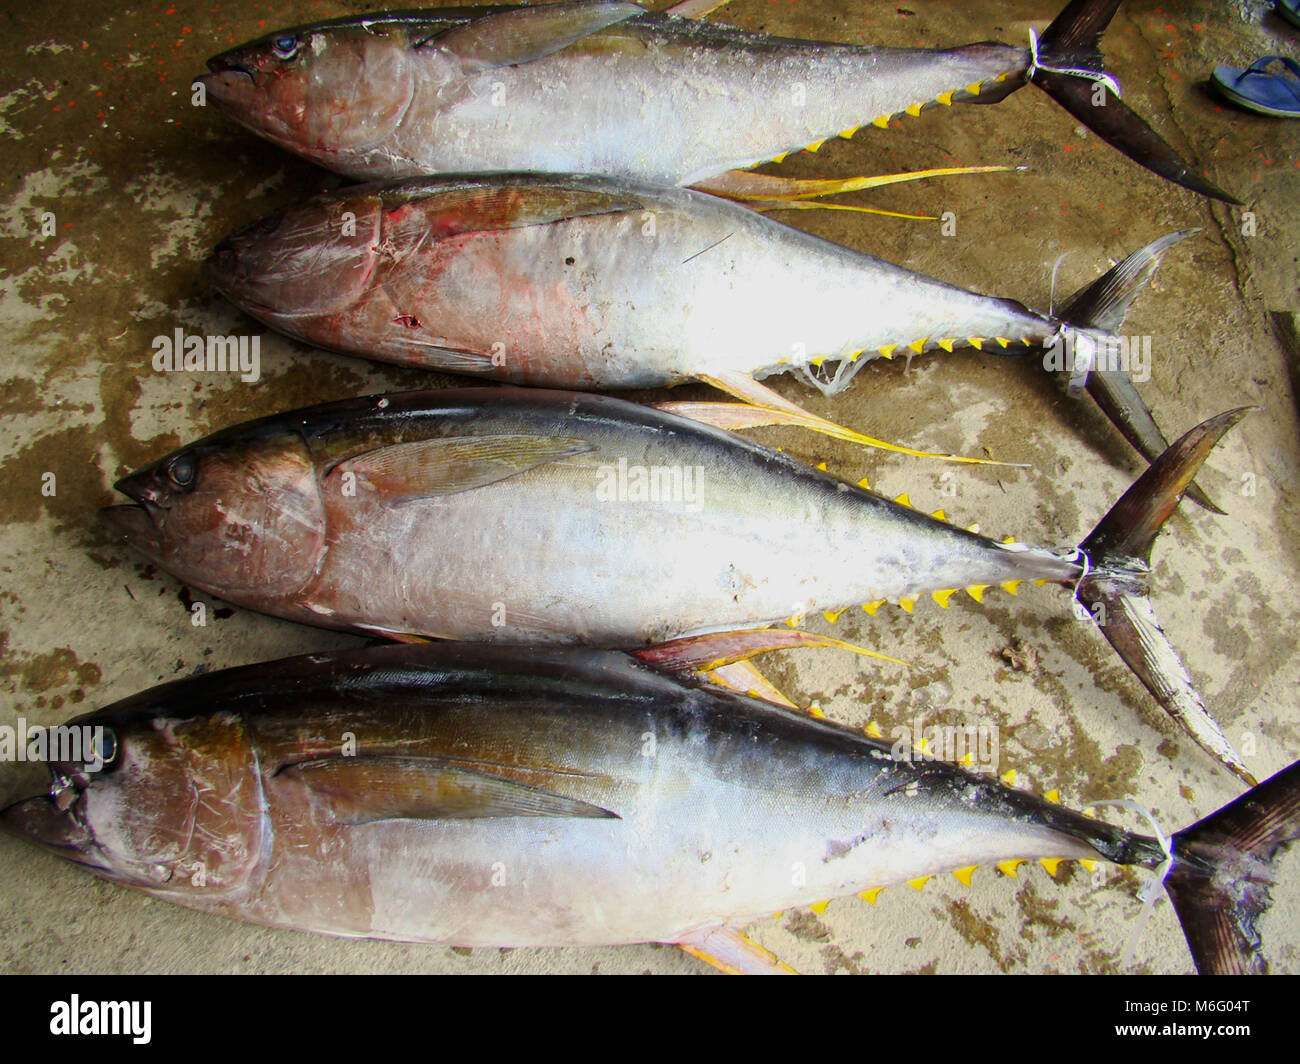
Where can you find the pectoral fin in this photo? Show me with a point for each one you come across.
(524, 34)
(362, 790)
(418, 215)
(402, 472)
(713, 650)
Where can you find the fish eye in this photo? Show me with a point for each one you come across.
(181, 471)
(286, 46)
(105, 749)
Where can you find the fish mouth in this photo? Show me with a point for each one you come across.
(40, 821)
(134, 523)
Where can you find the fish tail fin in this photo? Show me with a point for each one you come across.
(1222, 871)
(1096, 313)
(1070, 69)
(1113, 588)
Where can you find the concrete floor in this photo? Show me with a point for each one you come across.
(96, 117)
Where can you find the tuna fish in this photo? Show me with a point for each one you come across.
(580, 282)
(508, 797)
(606, 87)
(527, 516)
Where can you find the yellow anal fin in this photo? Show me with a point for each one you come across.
(695, 8)
(744, 678)
(769, 407)
(813, 205)
(731, 952)
(747, 185)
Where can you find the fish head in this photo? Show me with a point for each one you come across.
(327, 91)
(312, 260)
(237, 513)
(156, 801)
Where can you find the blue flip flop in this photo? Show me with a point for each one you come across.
(1252, 88)
(1289, 10)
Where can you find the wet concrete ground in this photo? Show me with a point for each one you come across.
(132, 187)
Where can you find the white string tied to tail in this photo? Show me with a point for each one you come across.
(1151, 890)
(1036, 63)
(1080, 557)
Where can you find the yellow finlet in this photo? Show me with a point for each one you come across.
(913, 109)
(870, 896)
(819, 907)
(815, 145)
(1008, 868)
(976, 591)
(918, 345)
(1053, 796)
(919, 882)
(908, 602)
(946, 343)
(976, 342)
(821, 466)
(973, 88)
(817, 361)
(887, 351)
(870, 607)
(1051, 864)
(903, 500)
(1002, 340)
(1008, 539)
(1009, 777)
(942, 597)
(1088, 863)
(939, 515)
(780, 158)
(796, 620)
(1000, 77)
(1089, 812)
(963, 875)
(945, 98)
(873, 729)
(973, 528)
(882, 122)
(1009, 586)
(816, 713)
(855, 355)
(863, 484)
(833, 616)
(848, 133)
